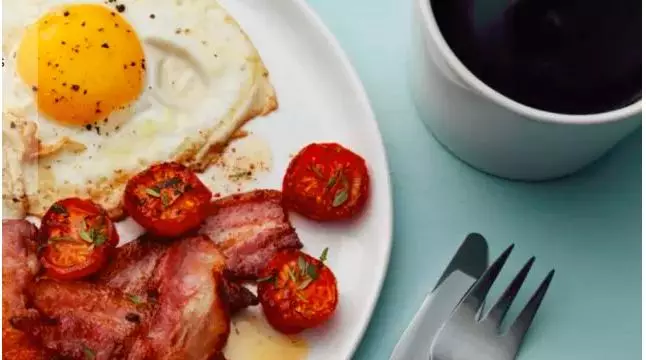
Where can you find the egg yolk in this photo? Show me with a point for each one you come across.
(83, 62)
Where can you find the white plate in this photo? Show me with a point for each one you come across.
(321, 99)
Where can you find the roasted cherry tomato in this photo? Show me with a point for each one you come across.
(167, 199)
(326, 182)
(297, 291)
(76, 238)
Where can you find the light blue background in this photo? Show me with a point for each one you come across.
(587, 226)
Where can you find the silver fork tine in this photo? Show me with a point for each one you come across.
(522, 323)
(500, 308)
(476, 296)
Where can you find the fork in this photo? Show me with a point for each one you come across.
(468, 335)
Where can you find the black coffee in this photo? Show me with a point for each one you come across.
(565, 56)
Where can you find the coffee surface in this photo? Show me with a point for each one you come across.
(563, 56)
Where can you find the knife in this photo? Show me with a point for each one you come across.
(468, 264)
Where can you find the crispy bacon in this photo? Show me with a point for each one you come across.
(19, 266)
(249, 228)
(77, 319)
(191, 320)
(133, 265)
(174, 308)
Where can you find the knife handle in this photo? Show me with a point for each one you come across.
(415, 342)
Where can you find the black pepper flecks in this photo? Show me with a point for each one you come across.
(100, 29)
(75, 87)
(98, 130)
(133, 64)
(63, 43)
(88, 127)
(83, 24)
(152, 16)
(34, 88)
(105, 45)
(13, 125)
(121, 8)
(85, 92)
(66, 13)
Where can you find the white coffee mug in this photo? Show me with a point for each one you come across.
(494, 133)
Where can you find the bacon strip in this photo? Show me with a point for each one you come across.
(176, 306)
(132, 268)
(191, 320)
(77, 319)
(19, 266)
(249, 228)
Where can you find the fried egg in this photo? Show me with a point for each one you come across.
(96, 91)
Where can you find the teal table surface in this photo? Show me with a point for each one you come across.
(587, 227)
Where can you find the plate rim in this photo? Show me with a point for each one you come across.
(359, 89)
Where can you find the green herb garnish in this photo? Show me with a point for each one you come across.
(135, 299)
(89, 354)
(331, 182)
(98, 237)
(267, 279)
(84, 234)
(312, 273)
(165, 199)
(291, 274)
(153, 191)
(93, 235)
(58, 208)
(317, 171)
(60, 238)
(170, 183)
(323, 256)
(340, 197)
(303, 285)
(302, 265)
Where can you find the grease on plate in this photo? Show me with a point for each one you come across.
(252, 338)
(243, 161)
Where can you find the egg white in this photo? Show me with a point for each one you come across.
(204, 80)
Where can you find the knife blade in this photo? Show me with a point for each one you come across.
(467, 265)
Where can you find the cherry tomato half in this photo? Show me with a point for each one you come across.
(297, 292)
(167, 199)
(76, 238)
(326, 182)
